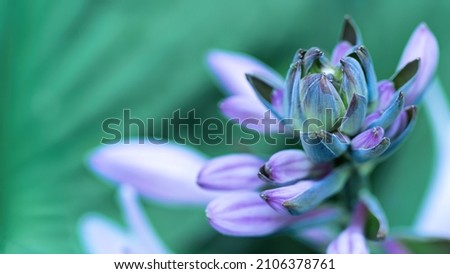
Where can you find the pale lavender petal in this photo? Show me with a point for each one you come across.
(288, 165)
(100, 235)
(433, 218)
(392, 246)
(277, 197)
(245, 214)
(368, 139)
(398, 125)
(423, 45)
(341, 50)
(349, 242)
(277, 100)
(371, 118)
(248, 111)
(230, 68)
(162, 172)
(318, 236)
(139, 225)
(231, 172)
(352, 240)
(386, 92)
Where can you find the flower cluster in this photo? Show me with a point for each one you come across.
(346, 120)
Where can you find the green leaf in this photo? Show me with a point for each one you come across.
(424, 245)
(377, 224)
(405, 75)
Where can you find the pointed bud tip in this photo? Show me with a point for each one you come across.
(376, 131)
(264, 196)
(423, 27)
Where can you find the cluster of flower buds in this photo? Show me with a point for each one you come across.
(346, 121)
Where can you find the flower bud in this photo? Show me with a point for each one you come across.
(245, 214)
(354, 116)
(353, 80)
(291, 165)
(321, 102)
(231, 172)
(423, 45)
(305, 195)
(369, 144)
(323, 146)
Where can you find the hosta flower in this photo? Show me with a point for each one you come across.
(346, 122)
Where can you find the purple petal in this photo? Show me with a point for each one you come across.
(392, 246)
(245, 214)
(423, 45)
(398, 125)
(231, 172)
(371, 118)
(386, 92)
(277, 197)
(163, 172)
(318, 236)
(433, 217)
(349, 242)
(352, 240)
(99, 235)
(140, 226)
(249, 111)
(368, 139)
(292, 164)
(230, 68)
(340, 51)
(277, 100)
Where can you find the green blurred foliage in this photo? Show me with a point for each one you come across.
(68, 65)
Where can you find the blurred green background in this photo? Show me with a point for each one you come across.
(68, 65)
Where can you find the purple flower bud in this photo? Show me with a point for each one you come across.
(368, 139)
(340, 51)
(245, 214)
(306, 195)
(388, 116)
(401, 129)
(231, 172)
(278, 197)
(369, 145)
(352, 240)
(372, 118)
(398, 125)
(291, 165)
(423, 45)
(386, 91)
